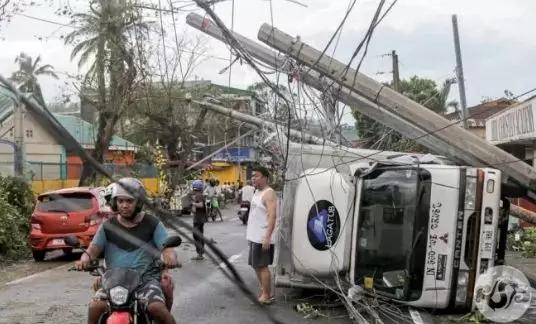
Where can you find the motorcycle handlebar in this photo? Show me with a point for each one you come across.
(158, 264)
(88, 269)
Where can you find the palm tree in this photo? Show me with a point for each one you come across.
(102, 31)
(26, 75)
(103, 35)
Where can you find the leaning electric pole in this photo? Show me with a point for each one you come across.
(396, 73)
(459, 70)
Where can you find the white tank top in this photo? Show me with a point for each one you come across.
(258, 219)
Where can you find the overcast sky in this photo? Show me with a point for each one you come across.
(498, 45)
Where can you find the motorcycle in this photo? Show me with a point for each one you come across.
(212, 208)
(121, 284)
(243, 212)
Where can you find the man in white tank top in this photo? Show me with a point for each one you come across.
(261, 224)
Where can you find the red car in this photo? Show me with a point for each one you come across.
(73, 211)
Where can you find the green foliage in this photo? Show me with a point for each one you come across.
(29, 70)
(529, 243)
(526, 243)
(16, 205)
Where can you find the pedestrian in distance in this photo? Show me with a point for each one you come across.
(200, 217)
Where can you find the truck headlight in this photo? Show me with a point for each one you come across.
(470, 193)
(118, 295)
(461, 287)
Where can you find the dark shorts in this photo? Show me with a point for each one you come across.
(259, 258)
(148, 293)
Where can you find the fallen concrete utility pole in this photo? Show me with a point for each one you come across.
(352, 99)
(523, 214)
(458, 139)
(261, 123)
(219, 150)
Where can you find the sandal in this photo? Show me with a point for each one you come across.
(268, 301)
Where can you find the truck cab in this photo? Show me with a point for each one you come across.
(419, 234)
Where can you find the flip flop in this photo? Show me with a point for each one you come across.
(268, 301)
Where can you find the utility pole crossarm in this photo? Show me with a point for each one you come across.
(435, 125)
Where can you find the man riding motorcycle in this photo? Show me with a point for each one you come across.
(129, 240)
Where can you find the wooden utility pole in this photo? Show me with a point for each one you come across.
(459, 71)
(396, 75)
(351, 98)
(435, 125)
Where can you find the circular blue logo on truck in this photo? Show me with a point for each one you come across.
(323, 225)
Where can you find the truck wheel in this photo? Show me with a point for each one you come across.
(38, 255)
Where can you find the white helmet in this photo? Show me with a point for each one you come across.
(128, 187)
(131, 188)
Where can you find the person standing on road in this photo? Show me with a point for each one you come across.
(246, 193)
(260, 229)
(200, 217)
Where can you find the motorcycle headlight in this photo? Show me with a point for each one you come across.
(118, 295)
(470, 193)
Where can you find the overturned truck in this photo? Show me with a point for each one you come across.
(416, 229)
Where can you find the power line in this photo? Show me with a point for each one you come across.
(45, 20)
(524, 93)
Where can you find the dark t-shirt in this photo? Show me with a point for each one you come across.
(200, 214)
(135, 247)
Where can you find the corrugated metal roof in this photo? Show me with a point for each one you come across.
(85, 133)
(483, 111)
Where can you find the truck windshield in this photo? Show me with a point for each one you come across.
(392, 231)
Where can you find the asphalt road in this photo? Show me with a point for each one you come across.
(202, 293)
(46, 292)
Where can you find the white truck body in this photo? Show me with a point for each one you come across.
(417, 233)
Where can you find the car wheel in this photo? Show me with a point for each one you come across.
(38, 255)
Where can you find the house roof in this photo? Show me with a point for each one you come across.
(479, 113)
(82, 131)
(85, 133)
(7, 101)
